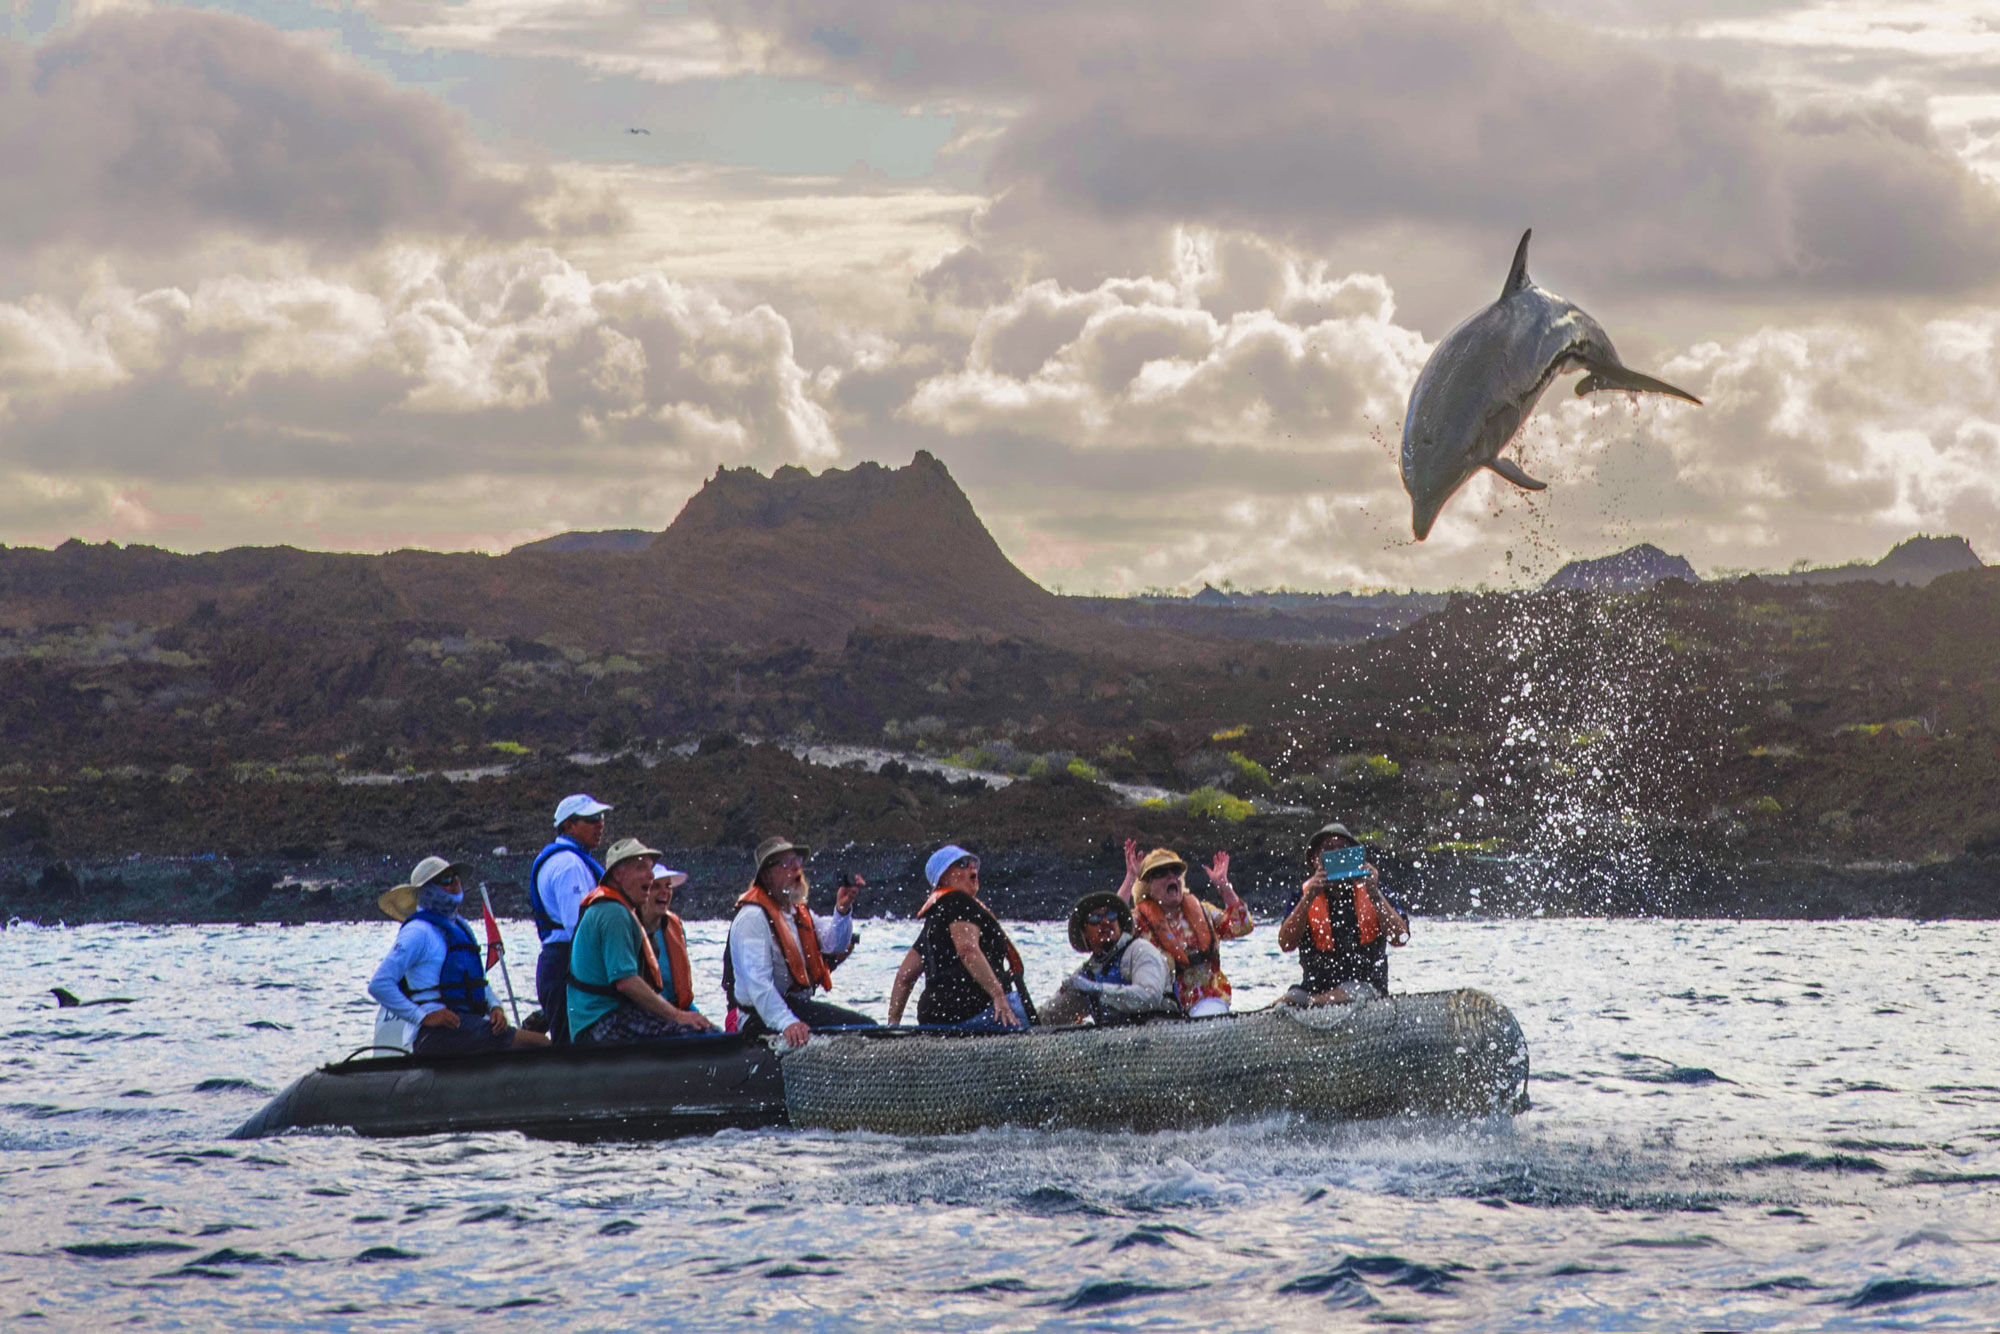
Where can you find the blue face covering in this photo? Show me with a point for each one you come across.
(433, 899)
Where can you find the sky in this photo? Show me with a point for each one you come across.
(1153, 278)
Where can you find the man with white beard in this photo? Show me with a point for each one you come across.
(778, 952)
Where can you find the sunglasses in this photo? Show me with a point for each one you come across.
(1169, 873)
(969, 863)
(1103, 917)
(443, 880)
(590, 819)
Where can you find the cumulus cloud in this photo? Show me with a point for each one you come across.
(513, 367)
(152, 129)
(1311, 122)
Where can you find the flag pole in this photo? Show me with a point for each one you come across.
(493, 942)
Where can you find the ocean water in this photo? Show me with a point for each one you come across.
(1736, 1126)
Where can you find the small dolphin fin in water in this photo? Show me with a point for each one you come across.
(1512, 472)
(66, 999)
(1605, 375)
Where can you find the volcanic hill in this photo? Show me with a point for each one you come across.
(751, 560)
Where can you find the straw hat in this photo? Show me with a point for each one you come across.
(401, 901)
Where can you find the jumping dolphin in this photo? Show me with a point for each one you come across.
(1484, 379)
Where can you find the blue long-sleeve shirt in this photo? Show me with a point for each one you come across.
(416, 960)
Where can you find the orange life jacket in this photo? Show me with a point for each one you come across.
(649, 963)
(1367, 923)
(1192, 909)
(796, 936)
(1013, 955)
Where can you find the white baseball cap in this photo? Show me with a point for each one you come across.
(576, 804)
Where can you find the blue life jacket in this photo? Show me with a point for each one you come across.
(1112, 973)
(462, 980)
(546, 924)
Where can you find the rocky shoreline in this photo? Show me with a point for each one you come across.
(1022, 883)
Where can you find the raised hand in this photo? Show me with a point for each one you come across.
(1132, 858)
(1218, 870)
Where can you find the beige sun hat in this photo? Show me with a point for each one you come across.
(624, 850)
(401, 901)
(778, 847)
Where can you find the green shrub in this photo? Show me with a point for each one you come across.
(1251, 772)
(1212, 803)
(1083, 769)
(509, 747)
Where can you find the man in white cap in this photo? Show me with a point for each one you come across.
(432, 976)
(629, 978)
(778, 951)
(563, 873)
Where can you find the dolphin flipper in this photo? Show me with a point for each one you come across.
(1512, 472)
(1610, 375)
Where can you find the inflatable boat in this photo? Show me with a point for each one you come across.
(1451, 1053)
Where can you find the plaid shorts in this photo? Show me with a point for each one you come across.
(629, 1023)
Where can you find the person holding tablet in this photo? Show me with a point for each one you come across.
(1340, 924)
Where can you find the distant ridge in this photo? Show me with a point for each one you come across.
(607, 539)
(793, 558)
(1916, 562)
(1635, 567)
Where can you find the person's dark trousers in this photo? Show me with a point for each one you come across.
(552, 988)
(817, 1014)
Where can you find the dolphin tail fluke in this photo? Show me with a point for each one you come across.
(1517, 277)
(1512, 472)
(1611, 376)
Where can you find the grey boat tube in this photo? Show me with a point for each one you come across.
(651, 1090)
(1448, 1053)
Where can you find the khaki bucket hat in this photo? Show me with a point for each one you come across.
(624, 850)
(772, 848)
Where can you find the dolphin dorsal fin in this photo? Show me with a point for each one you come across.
(1517, 277)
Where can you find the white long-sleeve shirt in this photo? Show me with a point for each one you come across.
(417, 959)
(1149, 981)
(565, 879)
(758, 960)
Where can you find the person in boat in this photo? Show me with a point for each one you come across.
(433, 975)
(629, 979)
(972, 972)
(1184, 928)
(1124, 981)
(564, 873)
(1341, 929)
(778, 951)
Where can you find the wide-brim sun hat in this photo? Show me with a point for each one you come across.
(401, 901)
(624, 850)
(772, 848)
(1089, 906)
(1328, 830)
(1161, 859)
(943, 860)
(670, 875)
(578, 803)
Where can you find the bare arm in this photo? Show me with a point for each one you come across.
(1131, 870)
(965, 939)
(1292, 931)
(907, 973)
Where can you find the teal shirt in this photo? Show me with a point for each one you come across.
(606, 949)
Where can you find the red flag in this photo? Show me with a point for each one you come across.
(494, 947)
